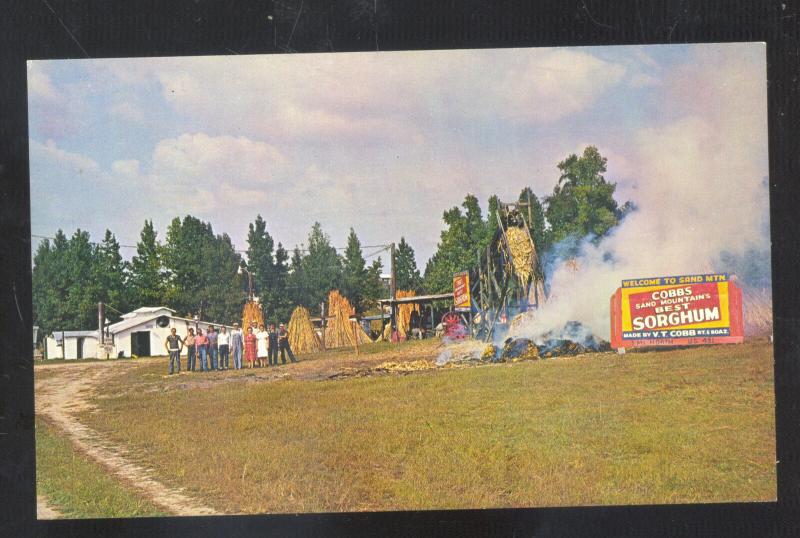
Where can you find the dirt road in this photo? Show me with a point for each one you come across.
(65, 390)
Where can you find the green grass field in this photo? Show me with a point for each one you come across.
(680, 426)
(78, 487)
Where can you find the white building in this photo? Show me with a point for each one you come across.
(72, 345)
(141, 333)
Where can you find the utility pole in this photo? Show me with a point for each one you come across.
(393, 288)
(101, 317)
(322, 321)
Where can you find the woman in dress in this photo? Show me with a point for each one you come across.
(250, 344)
(263, 348)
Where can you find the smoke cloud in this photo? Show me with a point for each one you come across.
(700, 187)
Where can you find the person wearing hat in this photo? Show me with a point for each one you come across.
(283, 344)
(236, 346)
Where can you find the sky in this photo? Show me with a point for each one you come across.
(385, 142)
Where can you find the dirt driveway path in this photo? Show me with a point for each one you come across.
(44, 510)
(66, 390)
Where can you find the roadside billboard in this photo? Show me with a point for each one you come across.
(462, 300)
(677, 310)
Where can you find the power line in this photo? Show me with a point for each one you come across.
(305, 250)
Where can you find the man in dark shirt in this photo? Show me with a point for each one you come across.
(174, 345)
(211, 334)
(283, 344)
(273, 346)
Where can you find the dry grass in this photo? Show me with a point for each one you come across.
(692, 425)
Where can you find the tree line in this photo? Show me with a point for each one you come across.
(194, 271)
(582, 204)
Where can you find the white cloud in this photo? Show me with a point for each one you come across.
(555, 84)
(362, 98)
(642, 80)
(127, 110)
(206, 175)
(76, 164)
(40, 86)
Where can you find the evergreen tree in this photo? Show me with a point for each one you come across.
(282, 304)
(374, 288)
(148, 279)
(203, 271)
(50, 283)
(457, 248)
(296, 281)
(405, 266)
(261, 263)
(82, 291)
(354, 273)
(109, 275)
(321, 268)
(582, 202)
(537, 225)
(220, 288)
(186, 244)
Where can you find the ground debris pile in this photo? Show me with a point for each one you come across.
(517, 349)
(413, 366)
(573, 339)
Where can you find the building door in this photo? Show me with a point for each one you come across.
(79, 346)
(140, 343)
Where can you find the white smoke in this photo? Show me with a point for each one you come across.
(699, 187)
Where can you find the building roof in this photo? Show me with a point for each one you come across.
(73, 334)
(129, 322)
(418, 299)
(142, 319)
(146, 310)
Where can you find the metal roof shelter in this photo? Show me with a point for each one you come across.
(417, 299)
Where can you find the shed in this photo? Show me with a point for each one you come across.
(72, 345)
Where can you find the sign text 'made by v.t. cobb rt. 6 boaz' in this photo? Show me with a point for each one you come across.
(677, 310)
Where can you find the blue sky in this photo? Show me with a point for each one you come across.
(385, 142)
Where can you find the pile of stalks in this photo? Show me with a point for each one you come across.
(404, 313)
(252, 314)
(302, 336)
(413, 366)
(340, 330)
(519, 242)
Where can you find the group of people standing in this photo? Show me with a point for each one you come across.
(259, 347)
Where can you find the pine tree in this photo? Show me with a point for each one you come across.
(406, 271)
(261, 262)
(282, 304)
(537, 224)
(148, 278)
(354, 273)
(321, 268)
(296, 281)
(50, 283)
(582, 202)
(457, 247)
(82, 291)
(374, 288)
(109, 274)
